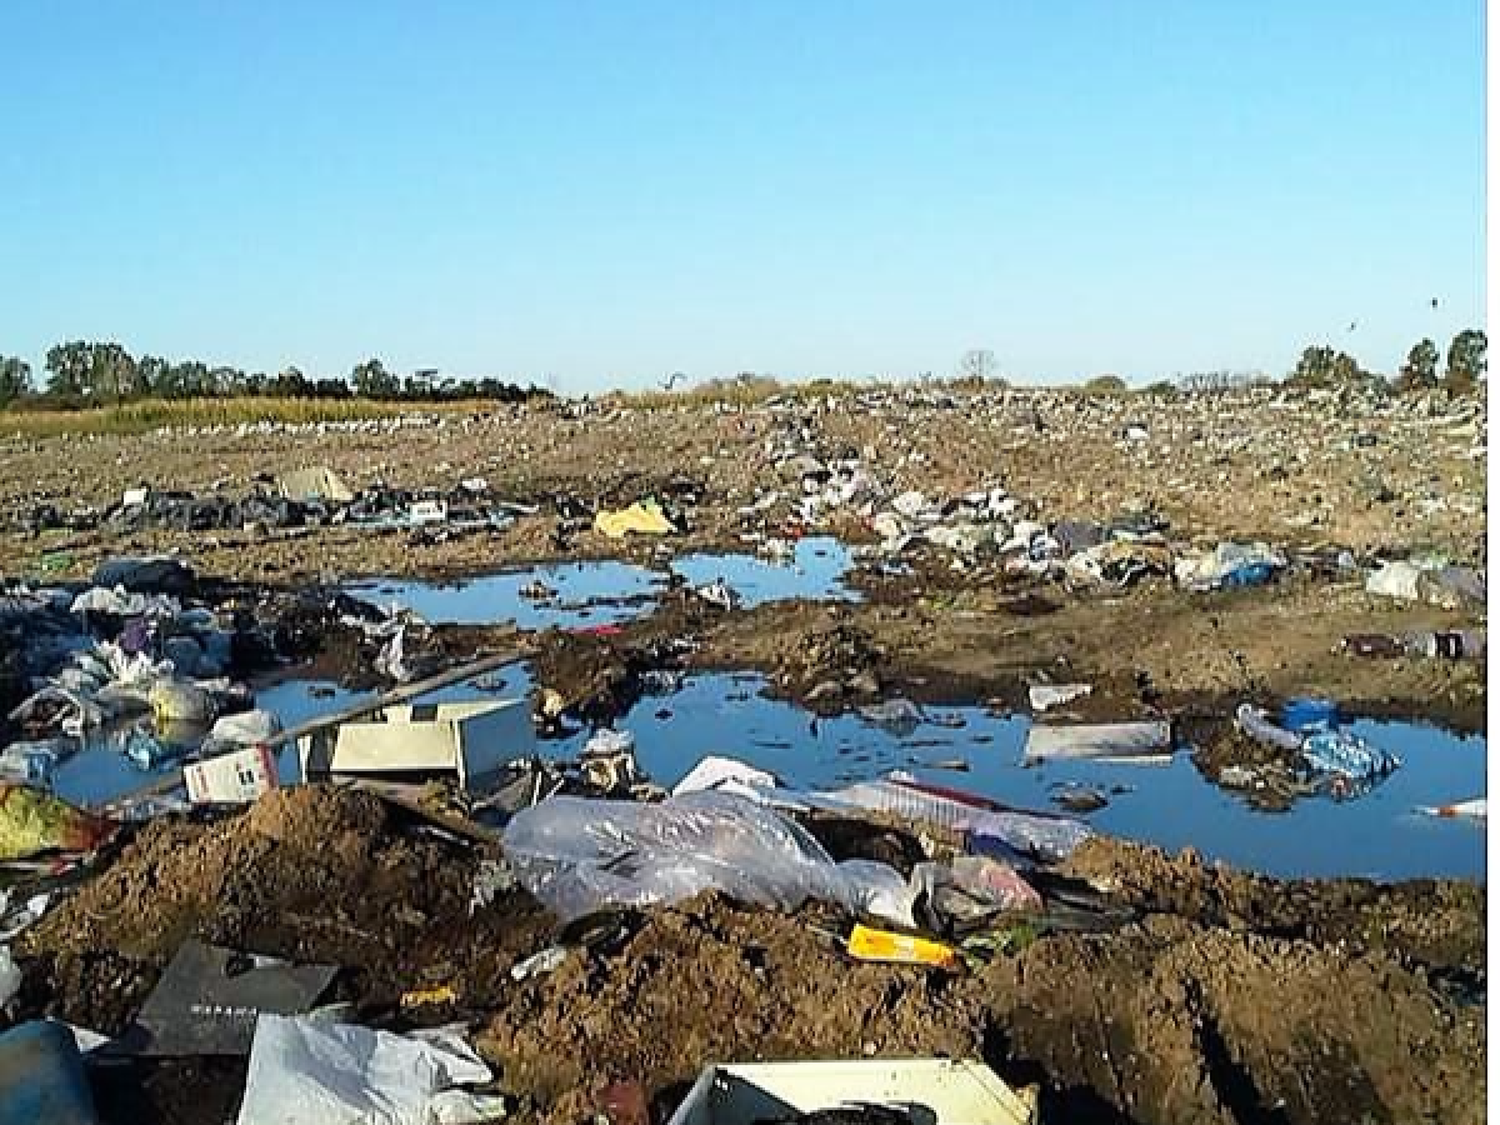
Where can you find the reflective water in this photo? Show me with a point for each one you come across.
(1378, 835)
(609, 592)
(816, 569)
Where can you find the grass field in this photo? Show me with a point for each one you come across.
(153, 414)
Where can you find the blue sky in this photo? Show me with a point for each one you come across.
(602, 192)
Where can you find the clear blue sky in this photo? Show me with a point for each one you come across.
(607, 191)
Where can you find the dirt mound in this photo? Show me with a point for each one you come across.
(313, 874)
(714, 982)
(1174, 1022)
(1436, 923)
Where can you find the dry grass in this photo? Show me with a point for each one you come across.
(152, 414)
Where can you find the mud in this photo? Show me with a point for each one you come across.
(1236, 998)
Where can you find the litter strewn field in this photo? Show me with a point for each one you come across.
(621, 743)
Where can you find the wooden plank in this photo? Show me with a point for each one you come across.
(172, 780)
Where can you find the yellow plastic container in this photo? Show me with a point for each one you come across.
(905, 949)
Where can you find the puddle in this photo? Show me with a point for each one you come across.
(1379, 835)
(588, 593)
(610, 592)
(816, 570)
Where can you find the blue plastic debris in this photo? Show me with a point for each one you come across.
(42, 1078)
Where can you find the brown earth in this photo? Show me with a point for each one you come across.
(1234, 999)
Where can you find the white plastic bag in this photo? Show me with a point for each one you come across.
(342, 1074)
(577, 856)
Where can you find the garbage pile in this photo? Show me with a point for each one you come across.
(306, 498)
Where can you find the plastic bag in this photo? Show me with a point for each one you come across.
(175, 700)
(1344, 763)
(248, 728)
(341, 1074)
(32, 821)
(577, 856)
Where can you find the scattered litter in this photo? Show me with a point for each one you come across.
(208, 1000)
(42, 1077)
(842, 1092)
(1126, 741)
(471, 740)
(867, 944)
(539, 964)
(32, 822)
(303, 1069)
(726, 775)
(577, 856)
(1044, 697)
(644, 517)
(236, 778)
(1475, 809)
(319, 483)
(720, 593)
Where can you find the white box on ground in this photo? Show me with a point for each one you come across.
(472, 740)
(951, 1092)
(232, 779)
(1135, 741)
(429, 511)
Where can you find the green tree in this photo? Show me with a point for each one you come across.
(372, 380)
(1419, 372)
(15, 379)
(1106, 385)
(67, 368)
(1467, 361)
(1322, 366)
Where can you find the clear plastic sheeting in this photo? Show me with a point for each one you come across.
(577, 856)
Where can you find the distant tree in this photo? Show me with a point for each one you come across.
(1419, 372)
(1106, 385)
(15, 379)
(1467, 361)
(1163, 388)
(372, 380)
(1321, 366)
(67, 368)
(977, 364)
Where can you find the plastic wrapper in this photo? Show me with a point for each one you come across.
(341, 1074)
(175, 700)
(1345, 763)
(32, 822)
(577, 856)
(1257, 724)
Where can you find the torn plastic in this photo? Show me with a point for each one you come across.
(32, 822)
(577, 856)
(1231, 565)
(302, 1069)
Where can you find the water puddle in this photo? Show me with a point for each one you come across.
(609, 592)
(585, 593)
(1379, 835)
(815, 570)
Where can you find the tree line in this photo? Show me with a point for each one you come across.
(84, 373)
(1466, 363)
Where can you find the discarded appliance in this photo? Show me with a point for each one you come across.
(473, 740)
(208, 1000)
(1098, 740)
(943, 1091)
(232, 779)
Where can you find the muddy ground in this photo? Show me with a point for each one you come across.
(1232, 998)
